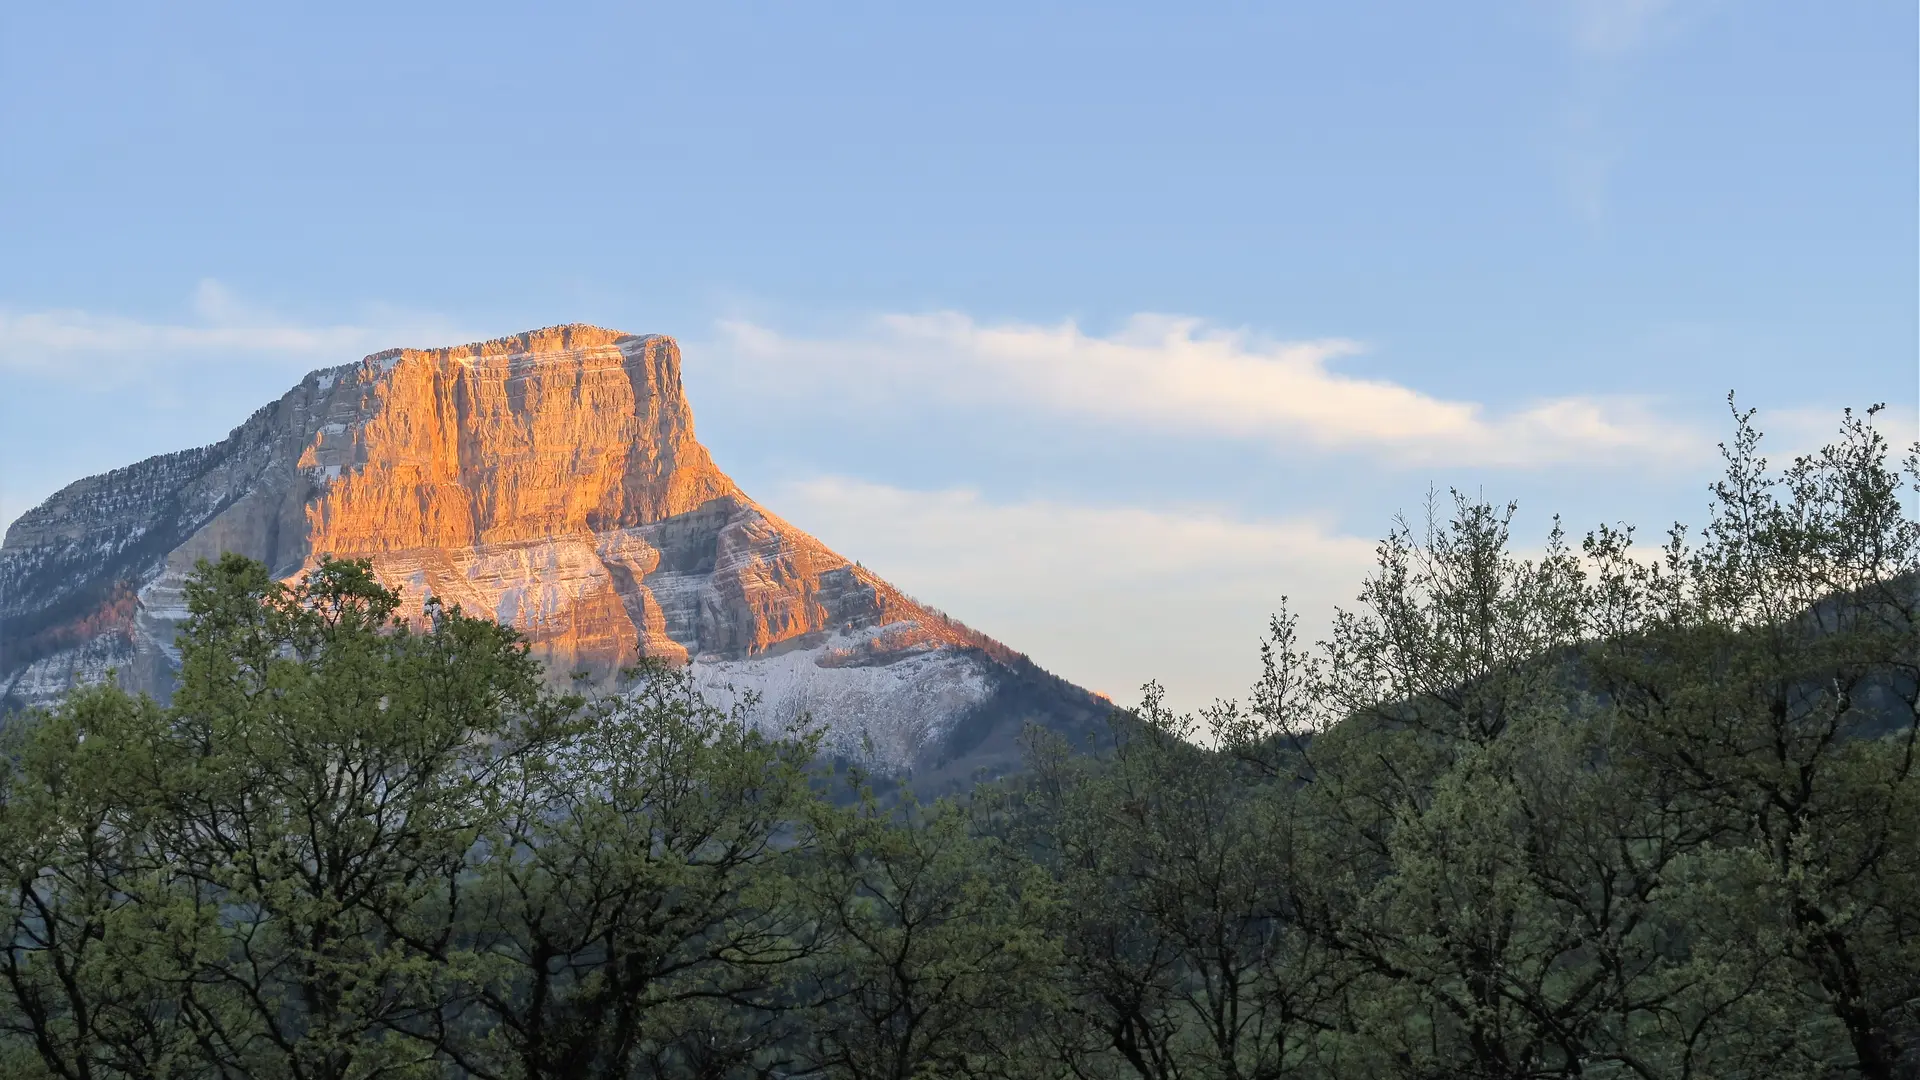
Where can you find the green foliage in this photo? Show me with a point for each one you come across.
(637, 914)
(941, 956)
(1187, 955)
(1768, 675)
(1595, 813)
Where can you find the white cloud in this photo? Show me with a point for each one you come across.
(1180, 376)
(1107, 596)
(1790, 432)
(82, 346)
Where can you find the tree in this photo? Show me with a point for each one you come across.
(98, 919)
(1490, 840)
(238, 884)
(1186, 957)
(941, 956)
(1770, 675)
(635, 914)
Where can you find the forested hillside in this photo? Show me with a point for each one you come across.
(1600, 812)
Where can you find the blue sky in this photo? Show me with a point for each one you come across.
(1099, 326)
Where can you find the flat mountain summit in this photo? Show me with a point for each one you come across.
(552, 480)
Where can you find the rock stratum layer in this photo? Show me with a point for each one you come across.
(552, 480)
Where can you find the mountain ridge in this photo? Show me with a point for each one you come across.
(549, 478)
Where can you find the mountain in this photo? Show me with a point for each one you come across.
(552, 480)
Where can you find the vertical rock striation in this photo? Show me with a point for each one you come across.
(552, 480)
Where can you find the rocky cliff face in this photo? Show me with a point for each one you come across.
(552, 480)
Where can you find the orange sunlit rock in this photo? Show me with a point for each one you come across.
(553, 481)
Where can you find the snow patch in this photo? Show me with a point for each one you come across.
(881, 715)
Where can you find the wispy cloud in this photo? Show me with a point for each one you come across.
(1180, 376)
(1615, 27)
(86, 391)
(1109, 596)
(81, 346)
(1607, 39)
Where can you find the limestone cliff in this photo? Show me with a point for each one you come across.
(550, 479)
